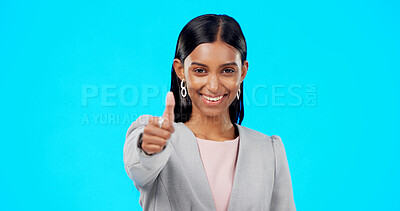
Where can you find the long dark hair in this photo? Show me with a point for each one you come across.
(207, 29)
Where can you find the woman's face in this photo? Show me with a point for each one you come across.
(213, 73)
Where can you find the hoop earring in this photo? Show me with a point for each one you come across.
(238, 94)
(183, 89)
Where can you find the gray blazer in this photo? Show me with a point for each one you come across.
(174, 179)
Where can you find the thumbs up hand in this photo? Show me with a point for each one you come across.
(155, 137)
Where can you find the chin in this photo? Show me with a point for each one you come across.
(213, 112)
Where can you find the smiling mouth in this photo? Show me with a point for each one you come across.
(213, 99)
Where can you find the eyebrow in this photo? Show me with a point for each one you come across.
(222, 65)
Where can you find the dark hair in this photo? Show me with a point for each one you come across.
(207, 29)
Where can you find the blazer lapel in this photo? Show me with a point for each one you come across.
(244, 180)
(188, 144)
(254, 167)
(239, 177)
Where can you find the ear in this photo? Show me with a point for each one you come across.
(245, 67)
(179, 70)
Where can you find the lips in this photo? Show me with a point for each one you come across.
(212, 100)
(216, 98)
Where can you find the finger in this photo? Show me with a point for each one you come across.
(152, 139)
(169, 107)
(166, 125)
(156, 131)
(154, 121)
(152, 148)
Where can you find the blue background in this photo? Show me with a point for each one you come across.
(65, 63)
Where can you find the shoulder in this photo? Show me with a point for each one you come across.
(248, 132)
(254, 134)
(276, 139)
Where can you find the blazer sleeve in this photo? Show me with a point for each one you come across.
(282, 195)
(142, 169)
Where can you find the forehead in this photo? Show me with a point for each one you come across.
(216, 52)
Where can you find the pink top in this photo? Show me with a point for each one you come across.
(219, 161)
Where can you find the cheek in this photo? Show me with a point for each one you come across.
(232, 85)
(195, 83)
(193, 88)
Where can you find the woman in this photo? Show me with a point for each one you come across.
(197, 156)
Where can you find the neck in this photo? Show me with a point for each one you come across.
(216, 128)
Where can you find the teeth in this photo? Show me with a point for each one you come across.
(213, 98)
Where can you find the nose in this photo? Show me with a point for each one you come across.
(213, 83)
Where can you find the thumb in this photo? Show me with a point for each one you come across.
(169, 107)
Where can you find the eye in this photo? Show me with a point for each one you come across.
(199, 70)
(229, 70)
